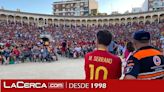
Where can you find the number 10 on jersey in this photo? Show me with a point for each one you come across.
(94, 72)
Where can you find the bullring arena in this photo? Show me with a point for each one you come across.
(45, 20)
(64, 68)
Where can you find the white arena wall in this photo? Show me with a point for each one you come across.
(45, 19)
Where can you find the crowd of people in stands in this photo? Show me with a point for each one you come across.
(22, 42)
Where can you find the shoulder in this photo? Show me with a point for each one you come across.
(89, 54)
(132, 59)
(117, 58)
(140, 54)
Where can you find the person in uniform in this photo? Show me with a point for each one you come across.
(101, 64)
(146, 63)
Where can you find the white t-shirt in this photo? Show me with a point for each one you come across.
(78, 49)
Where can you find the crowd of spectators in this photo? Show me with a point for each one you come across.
(21, 42)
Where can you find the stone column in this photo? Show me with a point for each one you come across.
(158, 18)
(14, 19)
(21, 21)
(28, 20)
(7, 19)
(75, 23)
(53, 22)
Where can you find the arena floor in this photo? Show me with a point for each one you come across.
(62, 69)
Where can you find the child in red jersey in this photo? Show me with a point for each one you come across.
(100, 64)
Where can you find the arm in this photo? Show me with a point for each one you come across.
(132, 69)
(114, 45)
(119, 69)
(129, 77)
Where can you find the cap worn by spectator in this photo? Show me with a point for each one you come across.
(141, 35)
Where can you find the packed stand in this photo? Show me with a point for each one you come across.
(22, 43)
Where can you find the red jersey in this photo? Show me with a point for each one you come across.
(16, 52)
(102, 65)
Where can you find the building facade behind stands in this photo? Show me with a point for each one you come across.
(45, 20)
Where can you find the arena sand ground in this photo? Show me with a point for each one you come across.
(62, 69)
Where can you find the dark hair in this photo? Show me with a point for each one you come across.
(130, 47)
(104, 37)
